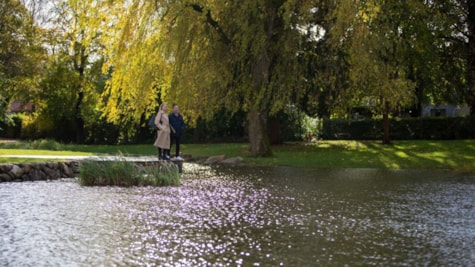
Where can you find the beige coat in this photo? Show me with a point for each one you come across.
(163, 133)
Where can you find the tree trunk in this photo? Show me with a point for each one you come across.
(79, 121)
(386, 140)
(80, 61)
(258, 138)
(471, 53)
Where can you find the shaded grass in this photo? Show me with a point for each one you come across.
(453, 154)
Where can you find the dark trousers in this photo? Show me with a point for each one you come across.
(177, 140)
(163, 152)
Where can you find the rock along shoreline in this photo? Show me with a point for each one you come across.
(39, 171)
(35, 171)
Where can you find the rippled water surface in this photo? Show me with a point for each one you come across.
(247, 216)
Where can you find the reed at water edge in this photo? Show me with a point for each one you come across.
(125, 174)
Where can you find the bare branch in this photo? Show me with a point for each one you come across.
(211, 21)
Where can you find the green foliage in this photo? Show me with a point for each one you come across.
(376, 48)
(311, 127)
(258, 56)
(10, 127)
(402, 129)
(45, 144)
(236, 55)
(40, 144)
(102, 132)
(123, 173)
(57, 97)
(225, 126)
(21, 54)
(40, 126)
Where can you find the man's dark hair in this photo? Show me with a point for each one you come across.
(174, 105)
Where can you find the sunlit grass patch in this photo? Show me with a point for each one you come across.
(5, 160)
(43, 152)
(401, 154)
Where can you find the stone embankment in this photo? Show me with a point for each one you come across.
(38, 171)
(19, 172)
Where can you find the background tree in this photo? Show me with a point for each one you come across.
(139, 71)
(21, 54)
(470, 22)
(260, 57)
(377, 74)
(75, 42)
(324, 63)
(440, 59)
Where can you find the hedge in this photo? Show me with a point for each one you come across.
(11, 129)
(401, 129)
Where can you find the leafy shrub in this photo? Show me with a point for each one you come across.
(45, 144)
(11, 126)
(224, 127)
(102, 132)
(401, 129)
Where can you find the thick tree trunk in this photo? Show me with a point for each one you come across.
(80, 61)
(258, 138)
(78, 120)
(386, 139)
(471, 53)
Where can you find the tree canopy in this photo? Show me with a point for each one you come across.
(21, 53)
(116, 60)
(208, 55)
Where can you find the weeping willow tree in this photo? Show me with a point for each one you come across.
(207, 55)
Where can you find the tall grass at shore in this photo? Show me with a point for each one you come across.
(126, 174)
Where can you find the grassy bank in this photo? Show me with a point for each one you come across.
(456, 154)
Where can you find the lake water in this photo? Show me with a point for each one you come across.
(245, 216)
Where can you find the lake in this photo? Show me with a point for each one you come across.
(245, 216)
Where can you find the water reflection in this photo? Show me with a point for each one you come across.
(245, 216)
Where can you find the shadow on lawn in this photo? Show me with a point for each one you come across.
(458, 155)
(427, 154)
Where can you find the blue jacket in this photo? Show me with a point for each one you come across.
(177, 123)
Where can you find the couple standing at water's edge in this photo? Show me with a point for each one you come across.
(170, 128)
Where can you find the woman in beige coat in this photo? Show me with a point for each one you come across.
(163, 133)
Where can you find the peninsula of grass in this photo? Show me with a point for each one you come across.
(452, 154)
(125, 174)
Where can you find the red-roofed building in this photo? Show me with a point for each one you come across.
(18, 106)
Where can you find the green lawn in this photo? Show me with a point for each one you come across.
(458, 155)
(19, 160)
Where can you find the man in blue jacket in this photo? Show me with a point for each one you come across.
(177, 127)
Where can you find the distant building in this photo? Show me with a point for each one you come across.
(18, 106)
(445, 111)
